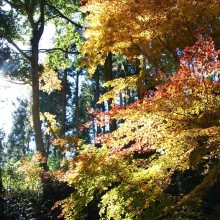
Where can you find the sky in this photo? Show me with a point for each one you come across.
(9, 92)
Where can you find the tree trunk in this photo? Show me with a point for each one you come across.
(47, 145)
(77, 104)
(64, 103)
(35, 96)
(108, 75)
(97, 95)
(103, 108)
(37, 31)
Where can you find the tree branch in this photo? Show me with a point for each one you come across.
(41, 18)
(30, 12)
(16, 6)
(51, 50)
(55, 49)
(167, 47)
(150, 59)
(51, 18)
(10, 41)
(63, 16)
(15, 82)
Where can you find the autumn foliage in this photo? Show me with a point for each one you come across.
(140, 28)
(156, 125)
(175, 130)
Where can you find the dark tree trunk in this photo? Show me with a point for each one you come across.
(77, 104)
(130, 97)
(35, 97)
(64, 103)
(47, 145)
(37, 31)
(103, 108)
(121, 99)
(97, 95)
(108, 75)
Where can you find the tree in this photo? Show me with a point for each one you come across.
(86, 101)
(64, 102)
(108, 76)
(165, 137)
(35, 15)
(33, 12)
(21, 135)
(2, 135)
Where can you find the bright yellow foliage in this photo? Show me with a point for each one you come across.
(147, 28)
(32, 171)
(50, 121)
(49, 81)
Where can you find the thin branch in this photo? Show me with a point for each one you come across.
(15, 82)
(145, 53)
(51, 18)
(63, 16)
(16, 6)
(10, 41)
(51, 50)
(166, 46)
(184, 113)
(55, 49)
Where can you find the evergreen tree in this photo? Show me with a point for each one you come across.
(21, 135)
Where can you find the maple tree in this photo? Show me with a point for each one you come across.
(174, 129)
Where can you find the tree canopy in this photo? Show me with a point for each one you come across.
(148, 29)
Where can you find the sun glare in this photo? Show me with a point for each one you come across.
(9, 94)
